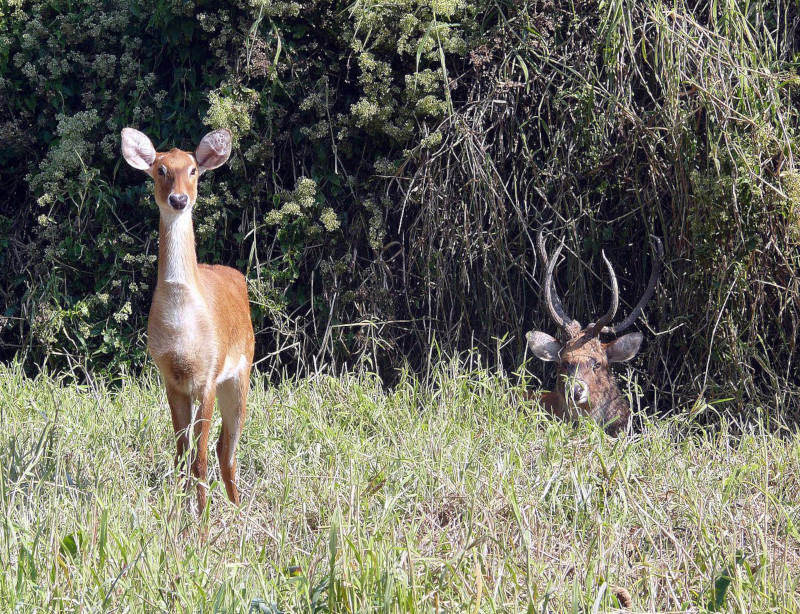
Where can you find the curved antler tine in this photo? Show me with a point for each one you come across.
(545, 261)
(540, 246)
(658, 250)
(554, 304)
(552, 301)
(596, 328)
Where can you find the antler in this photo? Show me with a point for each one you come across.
(553, 302)
(658, 248)
(556, 309)
(595, 329)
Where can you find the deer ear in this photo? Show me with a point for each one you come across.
(624, 348)
(214, 150)
(543, 346)
(137, 149)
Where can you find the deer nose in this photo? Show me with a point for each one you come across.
(579, 393)
(178, 201)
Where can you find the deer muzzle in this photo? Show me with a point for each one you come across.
(178, 201)
(578, 392)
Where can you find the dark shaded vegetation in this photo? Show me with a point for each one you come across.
(393, 162)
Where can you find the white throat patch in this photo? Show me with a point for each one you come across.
(179, 246)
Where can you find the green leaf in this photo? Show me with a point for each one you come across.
(72, 544)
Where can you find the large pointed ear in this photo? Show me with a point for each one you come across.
(624, 348)
(214, 150)
(544, 346)
(137, 149)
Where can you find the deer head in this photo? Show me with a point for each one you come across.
(176, 172)
(585, 383)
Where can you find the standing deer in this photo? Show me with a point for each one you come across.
(199, 331)
(585, 383)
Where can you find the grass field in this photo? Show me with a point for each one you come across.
(448, 496)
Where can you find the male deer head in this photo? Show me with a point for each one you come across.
(585, 384)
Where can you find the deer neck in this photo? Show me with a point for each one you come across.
(610, 409)
(177, 260)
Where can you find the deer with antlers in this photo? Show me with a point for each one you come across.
(199, 331)
(585, 384)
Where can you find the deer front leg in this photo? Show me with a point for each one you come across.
(201, 428)
(180, 407)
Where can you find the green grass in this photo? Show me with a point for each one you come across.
(448, 496)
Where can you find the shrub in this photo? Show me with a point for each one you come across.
(392, 163)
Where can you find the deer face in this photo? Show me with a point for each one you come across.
(585, 382)
(176, 172)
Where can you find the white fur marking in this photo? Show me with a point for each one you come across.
(231, 369)
(179, 237)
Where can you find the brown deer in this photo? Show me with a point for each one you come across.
(199, 330)
(585, 383)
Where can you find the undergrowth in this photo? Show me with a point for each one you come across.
(454, 495)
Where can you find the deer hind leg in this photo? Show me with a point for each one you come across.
(232, 394)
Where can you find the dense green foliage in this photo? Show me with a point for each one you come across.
(438, 496)
(392, 160)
